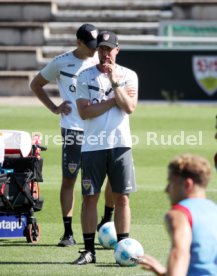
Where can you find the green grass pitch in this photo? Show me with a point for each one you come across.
(148, 205)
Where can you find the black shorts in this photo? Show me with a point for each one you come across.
(71, 152)
(116, 163)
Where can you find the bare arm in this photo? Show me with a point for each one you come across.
(37, 85)
(126, 100)
(87, 110)
(126, 97)
(181, 236)
(179, 256)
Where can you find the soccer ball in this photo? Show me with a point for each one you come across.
(107, 235)
(127, 249)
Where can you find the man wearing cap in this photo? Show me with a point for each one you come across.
(65, 69)
(106, 95)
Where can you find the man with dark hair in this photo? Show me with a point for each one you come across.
(64, 69)
(106, 95)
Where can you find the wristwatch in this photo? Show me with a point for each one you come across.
(117, 84)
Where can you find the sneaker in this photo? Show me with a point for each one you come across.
(86, 257)
(67, 241)
(103, 221)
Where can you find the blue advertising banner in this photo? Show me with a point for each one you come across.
(12, 226)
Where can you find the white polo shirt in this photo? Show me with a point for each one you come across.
(65, 69)
(111, 129)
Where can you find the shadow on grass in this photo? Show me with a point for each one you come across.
(53, 263)
(25, 244)
(107, 265)
(7, 243)
(32, 263)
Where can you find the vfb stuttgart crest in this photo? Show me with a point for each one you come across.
(72, 167)
(86, 183)
(205, 73)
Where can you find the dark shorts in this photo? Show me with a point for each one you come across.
(71, 152)
(116, 163)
